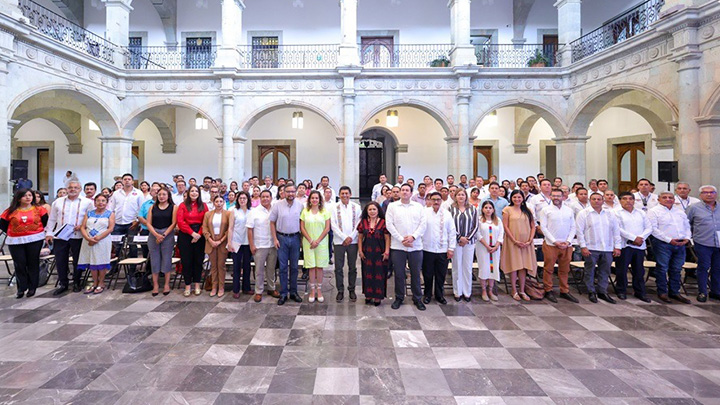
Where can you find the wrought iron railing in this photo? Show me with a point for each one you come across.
(63, 30)
(289, 56)
(172, 58)
(516, 55)
(382, 55)
(627, 25)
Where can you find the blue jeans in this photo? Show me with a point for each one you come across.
(708, 259)
(288, 256)
(669, 260)
(241, 261)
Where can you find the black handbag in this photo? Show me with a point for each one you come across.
(137, 282)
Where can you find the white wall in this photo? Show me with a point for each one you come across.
(317, 150)
(316, 22)
(427, 151)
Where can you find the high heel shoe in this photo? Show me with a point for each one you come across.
(320, 298)
(311, 299)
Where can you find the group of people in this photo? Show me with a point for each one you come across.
(403, 228)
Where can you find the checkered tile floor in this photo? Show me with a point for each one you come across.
(118, 348)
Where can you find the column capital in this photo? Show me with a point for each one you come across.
(562, 3)
(708, 121)
(521, 148)
(115, 139)
(124, 4)
(578, 139)
(664, 143)
(228, 99)
(239, 3)
(12, 123)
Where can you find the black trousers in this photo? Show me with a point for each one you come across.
(26, 260)
(62, 250)
(633, 258)
(434, 269)
(191, 257)
(241, 261)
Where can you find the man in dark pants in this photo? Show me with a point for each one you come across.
(405, 220)
(285, 230)
(344, 218)
(438, 246)
(125, 203)
(635, 228)
(68, 211)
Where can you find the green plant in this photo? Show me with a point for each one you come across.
(442, 61)
(538, 59)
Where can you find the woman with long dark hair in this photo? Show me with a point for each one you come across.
(238, 244)
(518, 253)
(24, 222)
(216, 224)
(374, 252)
(161, 222)
(191, 242)
(40, 200)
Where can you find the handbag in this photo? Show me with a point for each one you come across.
(137, 282)
(533, 289)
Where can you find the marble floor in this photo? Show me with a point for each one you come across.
(118, 348)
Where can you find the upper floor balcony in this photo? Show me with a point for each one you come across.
(375, 48)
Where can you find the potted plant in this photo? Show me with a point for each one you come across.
(442, 61)
(538, 60)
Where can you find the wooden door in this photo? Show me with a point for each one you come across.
(550, 47)
(371, 165)
(482, 161)
(630, 165)
(378, 52)
(274, 161)
(43, 170)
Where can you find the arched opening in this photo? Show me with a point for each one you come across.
(378, 155)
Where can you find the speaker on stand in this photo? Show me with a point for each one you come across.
(668, 172)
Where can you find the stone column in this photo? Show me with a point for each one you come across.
(453, 151)
(571, 159)
(349, 55)
(117, 21)
(239, 160)
(10, 8)
(226, 168)
(464, 161)
(687, 145)
(228, 55)
(6, 56)
(348, 160)
(569, 28)
(116, 158)
(462, 53)
(709, 151)
(672, 6)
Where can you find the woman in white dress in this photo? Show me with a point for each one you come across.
(96, 246)
(487, 249)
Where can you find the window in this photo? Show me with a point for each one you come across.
(274, 161)
(631, 165)
(265, 52)
(198, 53)
(482, 163)
(378, 52)
(136, 54)
(483, 51)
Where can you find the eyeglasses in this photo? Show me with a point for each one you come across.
(708, 192)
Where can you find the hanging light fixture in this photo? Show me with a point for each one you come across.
(492, 119)
(200, 122)
(392, 120)
(298, 122)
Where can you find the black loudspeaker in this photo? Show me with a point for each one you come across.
(19, 169)
(668, 172)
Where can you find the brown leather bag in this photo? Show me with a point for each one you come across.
(533, 289)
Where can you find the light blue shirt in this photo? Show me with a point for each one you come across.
(499, 204)
(144, 210)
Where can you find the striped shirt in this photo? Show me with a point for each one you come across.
(466, 223)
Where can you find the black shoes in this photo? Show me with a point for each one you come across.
(30, 293)
(61, 289)
(295, 297)
(643, 298)
(426, 300)
(396, 304)
(714, 296)
(569, 297)
(441, 300)
(420, 306)
(20, 294)
(702, 297)
(679, 298)
(467, 299)
(592, 297)
(282, 300)
(340, 296)
(353, 296)
(458, 299)
(304, 275)
(77, 287)
(550, 296)
(622, 296)
(606, 298)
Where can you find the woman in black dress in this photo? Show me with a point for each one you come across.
(374, 250)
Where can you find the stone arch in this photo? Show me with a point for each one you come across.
(655, 108)
(68, 121)
(101, 113)
(522, 133)
(428, 108)
(712, 106)
(266, 109)
(540, 110)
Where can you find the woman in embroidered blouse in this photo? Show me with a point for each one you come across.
(466, 224)
(374, 251)
(191, 242)
(24, 223)
(96, 246)
(490, 238)
(238, 244)
(314, 227)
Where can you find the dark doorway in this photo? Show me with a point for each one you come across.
(377, 156)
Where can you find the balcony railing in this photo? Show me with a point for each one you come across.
(627, 25)
(381, 55)
(289, 56)
(171, 58)
(516, 56)
(67, 32)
